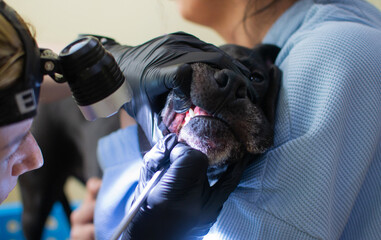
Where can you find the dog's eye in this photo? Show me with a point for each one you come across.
(257, 77)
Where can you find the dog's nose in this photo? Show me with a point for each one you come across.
(230, 87)
(231, 84)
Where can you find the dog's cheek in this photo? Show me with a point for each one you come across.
(260, 137)
(250, 127)
(212, 138)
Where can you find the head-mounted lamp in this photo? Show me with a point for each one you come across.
(98, 86)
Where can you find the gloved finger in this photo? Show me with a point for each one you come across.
(185, 176)
(154, 160)
(217, 59)
(158, 156)
(181, 88)
(164, 80)
(200, 51)
(188, 166)
(177, 77)
(183, 157)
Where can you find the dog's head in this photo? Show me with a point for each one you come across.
(227, 120)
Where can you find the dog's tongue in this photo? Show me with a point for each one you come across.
(176, 123)
(200, 111)
(183, 118)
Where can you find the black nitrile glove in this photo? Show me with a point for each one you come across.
(160, 65)
(182, 205)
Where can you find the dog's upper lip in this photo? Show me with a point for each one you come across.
(199, 113)
(179, 120)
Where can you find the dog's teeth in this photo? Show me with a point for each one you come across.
(191, 113)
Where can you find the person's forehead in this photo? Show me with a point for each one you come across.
(12, 133)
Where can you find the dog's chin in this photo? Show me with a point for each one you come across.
(212, 137)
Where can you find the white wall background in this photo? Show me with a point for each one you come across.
(58, 22)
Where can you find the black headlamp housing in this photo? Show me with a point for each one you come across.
(18, 101)
(94, 77)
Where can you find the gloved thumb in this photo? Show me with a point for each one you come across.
(155, 159)
(172, 77)
(159, 154)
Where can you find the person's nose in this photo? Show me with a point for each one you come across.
(28, 156)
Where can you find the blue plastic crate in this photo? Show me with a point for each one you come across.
(56, 228)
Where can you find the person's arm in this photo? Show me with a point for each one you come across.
(81, 220)
(120, 159)
(125, 119)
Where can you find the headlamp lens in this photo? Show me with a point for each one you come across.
(91, 71)
(75, 46)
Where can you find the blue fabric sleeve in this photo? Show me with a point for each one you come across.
(119, 147)
(120, 158)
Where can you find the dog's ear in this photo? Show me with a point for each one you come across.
(265, 53)
(268, 53)
(271, 97)
(240, 53)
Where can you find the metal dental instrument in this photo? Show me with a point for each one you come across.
(138, 203)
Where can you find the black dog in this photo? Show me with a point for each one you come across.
(224, 122)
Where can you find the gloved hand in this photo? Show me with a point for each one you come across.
(159, 65)
(182, 205)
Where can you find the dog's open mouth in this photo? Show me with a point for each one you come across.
(206, 133)
(223, 123)
(181, 119)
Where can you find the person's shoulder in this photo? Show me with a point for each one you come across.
(342, 26)
(335, 51)
(338, 41)
(343, 35)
